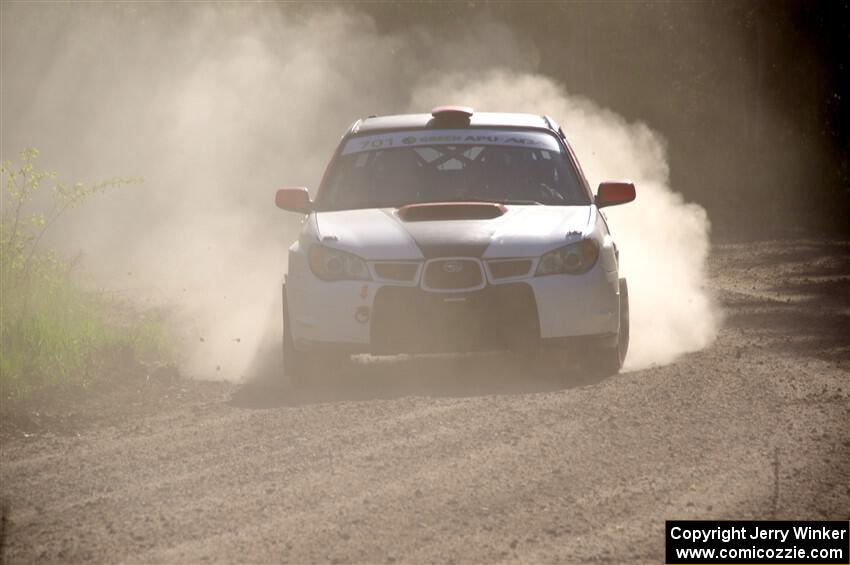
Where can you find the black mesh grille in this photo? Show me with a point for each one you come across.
(396, 271)
(453, 274)
(411, 320)
(504, 269)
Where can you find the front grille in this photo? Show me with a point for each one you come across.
(453, 274)
(396, 271)
(411, 320)
(512, 268)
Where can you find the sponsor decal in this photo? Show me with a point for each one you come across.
(540, 140)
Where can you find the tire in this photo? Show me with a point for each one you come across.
(296, 364)
(303, 367)
(606, 361)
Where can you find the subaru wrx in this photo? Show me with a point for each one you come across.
(454, 231)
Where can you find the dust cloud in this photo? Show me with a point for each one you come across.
(663, 241)
(217, 105)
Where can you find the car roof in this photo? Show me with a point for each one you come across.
(478, 119)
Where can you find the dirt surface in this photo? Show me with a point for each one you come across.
(463, 458)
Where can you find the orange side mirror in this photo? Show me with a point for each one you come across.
(611, 193)
(293, 199)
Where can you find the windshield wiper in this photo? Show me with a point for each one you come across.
(520, 202)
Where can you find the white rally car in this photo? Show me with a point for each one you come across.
(454, 231)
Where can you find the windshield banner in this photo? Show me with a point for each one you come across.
(418, 138)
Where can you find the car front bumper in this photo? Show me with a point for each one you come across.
(382, 318)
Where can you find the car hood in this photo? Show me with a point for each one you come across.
(522, 231)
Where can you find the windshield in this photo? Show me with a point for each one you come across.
(405, 167)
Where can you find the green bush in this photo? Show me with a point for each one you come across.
(51, 331)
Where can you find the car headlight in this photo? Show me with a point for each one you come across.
(573, 259)
(334, 265)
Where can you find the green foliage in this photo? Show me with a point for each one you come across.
(51, 331)
(23, 225)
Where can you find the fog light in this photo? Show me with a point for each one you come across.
(362, 314)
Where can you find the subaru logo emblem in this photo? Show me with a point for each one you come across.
(452, 266)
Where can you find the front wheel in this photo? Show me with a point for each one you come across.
(605, 361)
(296, 364)
(299, 367)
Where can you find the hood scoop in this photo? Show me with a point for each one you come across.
(432, 211)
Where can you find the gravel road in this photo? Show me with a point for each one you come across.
(468, 458)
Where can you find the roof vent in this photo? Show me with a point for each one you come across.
(452, 112)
